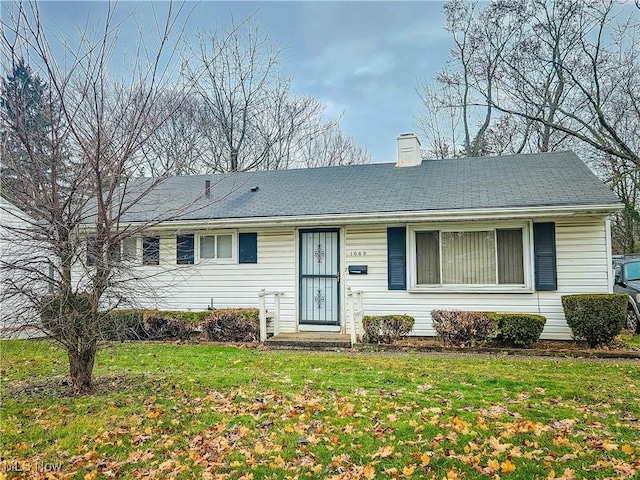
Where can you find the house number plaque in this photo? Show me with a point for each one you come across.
(357, 253)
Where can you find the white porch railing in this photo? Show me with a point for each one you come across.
(356, 312)
(266, 315)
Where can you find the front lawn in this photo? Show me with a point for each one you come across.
(631, 339)
(196, 411)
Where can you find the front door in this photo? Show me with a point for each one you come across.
(319, 277)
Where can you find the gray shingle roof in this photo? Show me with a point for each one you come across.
(533, 180)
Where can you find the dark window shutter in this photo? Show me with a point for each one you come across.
(397, 258)
(544, 250)
(248, 248)
(151, 251)
(94, 252)
(185, 249)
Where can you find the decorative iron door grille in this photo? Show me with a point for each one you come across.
(319, 277)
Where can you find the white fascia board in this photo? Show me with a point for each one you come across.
(390, 217)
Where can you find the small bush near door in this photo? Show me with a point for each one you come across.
(519, 329)
(463, 329)
(596, 318)
(386, 328)
(232, 325)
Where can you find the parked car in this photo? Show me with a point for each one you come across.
(626, 273)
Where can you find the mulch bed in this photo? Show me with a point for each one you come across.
(61, 386)
(544, 348)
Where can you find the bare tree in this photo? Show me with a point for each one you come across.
(177, 146)
(459, 114)
(530, 76)
(576, 75)
(250, 118)
(73, 172)
(564, 70)
(332, 148)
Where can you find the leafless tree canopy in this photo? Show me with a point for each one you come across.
(69, 130)
(531, 76)
(528, 75)
(80, 117)
(242, 114)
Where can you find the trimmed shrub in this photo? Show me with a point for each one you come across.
(118, 325)
(519, 329)
(372, 326)
(160, 325)
(596, 318)
(395, 327)
(191, 318)
(121, 325)
(386, 328)
(232, 325)
(463, 329)
(59, 316)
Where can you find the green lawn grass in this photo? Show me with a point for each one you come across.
(197, 411)
(631, 339)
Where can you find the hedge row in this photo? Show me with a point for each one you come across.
(465, 329)
(596, 318)
(224, 325)
(232, 325)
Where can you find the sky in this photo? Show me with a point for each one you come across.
(362, 60)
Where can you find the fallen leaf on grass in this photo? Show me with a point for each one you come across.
(408, 470)
(453, 474)
(384, 452)
(369, 472)
(507, 466)
(567, 475)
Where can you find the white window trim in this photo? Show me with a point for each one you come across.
(527, 240)
(217, 261)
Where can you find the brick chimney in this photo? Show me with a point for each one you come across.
(408, 150)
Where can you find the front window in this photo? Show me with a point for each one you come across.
(483, 257)
(216, 246)
(130, 249)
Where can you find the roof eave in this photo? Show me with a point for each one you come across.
(396, 217)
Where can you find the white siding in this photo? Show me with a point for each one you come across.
(194, 287)
(582, 268)
(581, 259)
(17, 248)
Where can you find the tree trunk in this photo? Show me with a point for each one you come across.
(234, 160)
(81, 368)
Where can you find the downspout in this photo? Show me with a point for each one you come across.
(609, 253)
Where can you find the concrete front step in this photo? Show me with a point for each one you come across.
(309, 341)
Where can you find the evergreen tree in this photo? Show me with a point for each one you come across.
(30, 124)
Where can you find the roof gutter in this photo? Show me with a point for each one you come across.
(391, 217)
